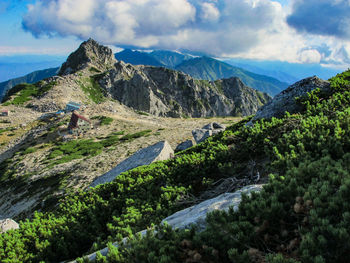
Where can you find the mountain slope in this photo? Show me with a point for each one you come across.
(212, 69)
(137, 58)
(29, 78)
(301, 215)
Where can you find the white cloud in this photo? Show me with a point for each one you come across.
(233, 28)
(310, 56)
(209, 12)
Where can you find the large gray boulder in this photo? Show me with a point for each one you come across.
(285, 101)
(201, 135)
(207, 130)
(156, 152)
(196, 215)
(7, 224)
(184, 145)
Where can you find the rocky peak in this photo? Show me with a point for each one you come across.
(89, 53)
(285, 101)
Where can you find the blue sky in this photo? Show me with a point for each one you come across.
(298, 31)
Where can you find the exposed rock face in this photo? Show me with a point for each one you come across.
(195, 215)
(184, 145)
(165, 92)
(90, 53)
(157, 152)
(285, 101)
(7, 224)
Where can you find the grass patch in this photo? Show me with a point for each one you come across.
(25, 92)
(142, 113)
(91, 87)
(104, 120)
(136, 135)
(30, 150)
(76, 149)
(93, 69)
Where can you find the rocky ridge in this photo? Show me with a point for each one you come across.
(170, 93)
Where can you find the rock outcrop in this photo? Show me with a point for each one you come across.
(90, 53)
(285, 101)
(7, 224)
(166, 92)
(157, 152)
(195, 215)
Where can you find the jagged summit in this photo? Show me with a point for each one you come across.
(91, 53)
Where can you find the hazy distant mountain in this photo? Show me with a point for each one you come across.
(280, 75)
(137, 58)
(20, 65)
(212, 69)
(278, 69)
(29, 78)
(169, 58)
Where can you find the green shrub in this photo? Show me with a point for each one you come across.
(30, 150)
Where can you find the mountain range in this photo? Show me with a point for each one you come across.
(156, 90)
(205, 68)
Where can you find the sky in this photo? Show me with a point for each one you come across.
(295, 31)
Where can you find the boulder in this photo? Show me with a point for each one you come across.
(7, 224)
(196, 215)
(207, 130)
(184, 145)
(285, 101)
(157, 152)
(200, 135)
(214, 126)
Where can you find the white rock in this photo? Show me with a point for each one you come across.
(157, 152)
(7, 224)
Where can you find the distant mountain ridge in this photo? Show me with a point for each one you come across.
(29, 78)
(137, 58)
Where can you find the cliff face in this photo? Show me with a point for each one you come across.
(165, 92)
(89, 53)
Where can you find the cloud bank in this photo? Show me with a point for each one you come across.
(321, 17)
(258, 29)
